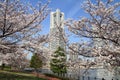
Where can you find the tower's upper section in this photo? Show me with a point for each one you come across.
(56, 30)
(56, 19)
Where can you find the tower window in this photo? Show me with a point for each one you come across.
(60, 15)
(54, 15)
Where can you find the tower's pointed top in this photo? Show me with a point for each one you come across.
(57, 10)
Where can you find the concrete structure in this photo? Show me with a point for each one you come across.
(56, 30)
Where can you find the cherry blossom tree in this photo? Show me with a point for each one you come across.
(20, 25)
(103, 27)
(19, 21)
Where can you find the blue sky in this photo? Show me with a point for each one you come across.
(71, 9)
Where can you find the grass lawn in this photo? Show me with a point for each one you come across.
(4, 75)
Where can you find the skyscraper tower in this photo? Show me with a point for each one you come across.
(56, 30)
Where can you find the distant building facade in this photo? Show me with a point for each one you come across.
(73, 56)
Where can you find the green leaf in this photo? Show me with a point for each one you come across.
(36, 61)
